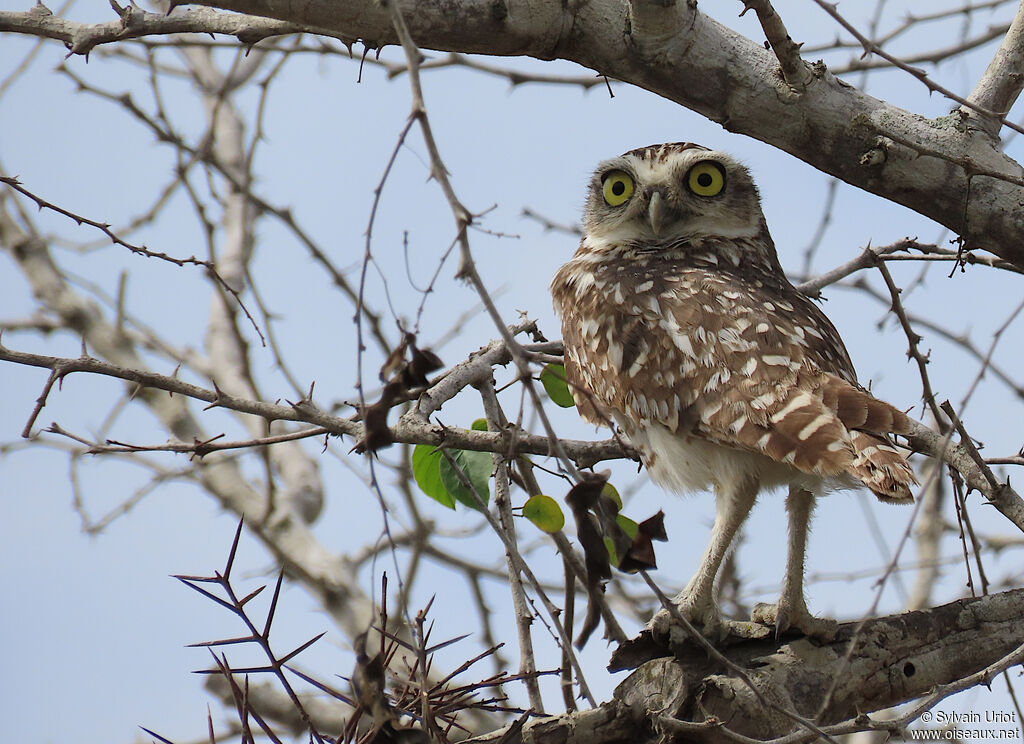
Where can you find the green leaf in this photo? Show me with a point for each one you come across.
(611, 492)
(479, 425)
(477, 467)
(544, 512)
(613, 557)
(552, 377)
(628, 526)
(426, 469)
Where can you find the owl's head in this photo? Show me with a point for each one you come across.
(670, 193)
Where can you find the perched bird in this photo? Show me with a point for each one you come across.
(680, 327)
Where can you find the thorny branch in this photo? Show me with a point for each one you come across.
(914, 352)
(786, 50)
(412, 428)
(141, 250)
(496, 421)
(416, 693)
(463, 219)
(871, 48)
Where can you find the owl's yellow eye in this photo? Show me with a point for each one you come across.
(617, 187)
(706, 179)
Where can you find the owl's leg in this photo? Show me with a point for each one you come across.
(791, 611)
(697, 602)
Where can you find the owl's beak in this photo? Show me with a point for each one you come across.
(656, 212)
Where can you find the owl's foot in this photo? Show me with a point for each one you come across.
(785, 616)
(702, 614)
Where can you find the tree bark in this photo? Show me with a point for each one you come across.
(949, 169)
(835, 684)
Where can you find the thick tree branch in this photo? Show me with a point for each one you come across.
(1002, 82)
(929, 653)
(134, 23)
(941, 168)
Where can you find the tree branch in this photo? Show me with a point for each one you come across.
(408, 430)
(786, 50)
(134, 23)
(679, 53)
(929, 653)
(1002, 82)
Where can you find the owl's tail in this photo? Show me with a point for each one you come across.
(877, 463)
(882, 468)
(825, 426)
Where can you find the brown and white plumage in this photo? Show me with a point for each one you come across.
(680, 326)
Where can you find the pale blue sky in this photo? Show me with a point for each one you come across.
(94, 629)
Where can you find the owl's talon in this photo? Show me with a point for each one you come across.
(704, 617)
(783, 617)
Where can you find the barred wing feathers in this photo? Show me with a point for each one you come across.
(716, 356)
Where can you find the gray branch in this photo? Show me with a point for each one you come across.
(927, 654)
(408, 430)
(134, 23)
(1002, 82)
(949, 169)
(326, 575)
(945, 168)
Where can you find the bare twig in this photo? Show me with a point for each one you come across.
(872, 48)
(196, 449)
(867, 258)
(786, 50)
(968, 444)
(913, 339)
(463, 219)
(409, 429)
(134, 22)
(1002, 82)
(496, 421)
(141, 250)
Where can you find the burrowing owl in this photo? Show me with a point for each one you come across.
(681, 327)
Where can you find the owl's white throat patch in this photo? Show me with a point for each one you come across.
(631, 234)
